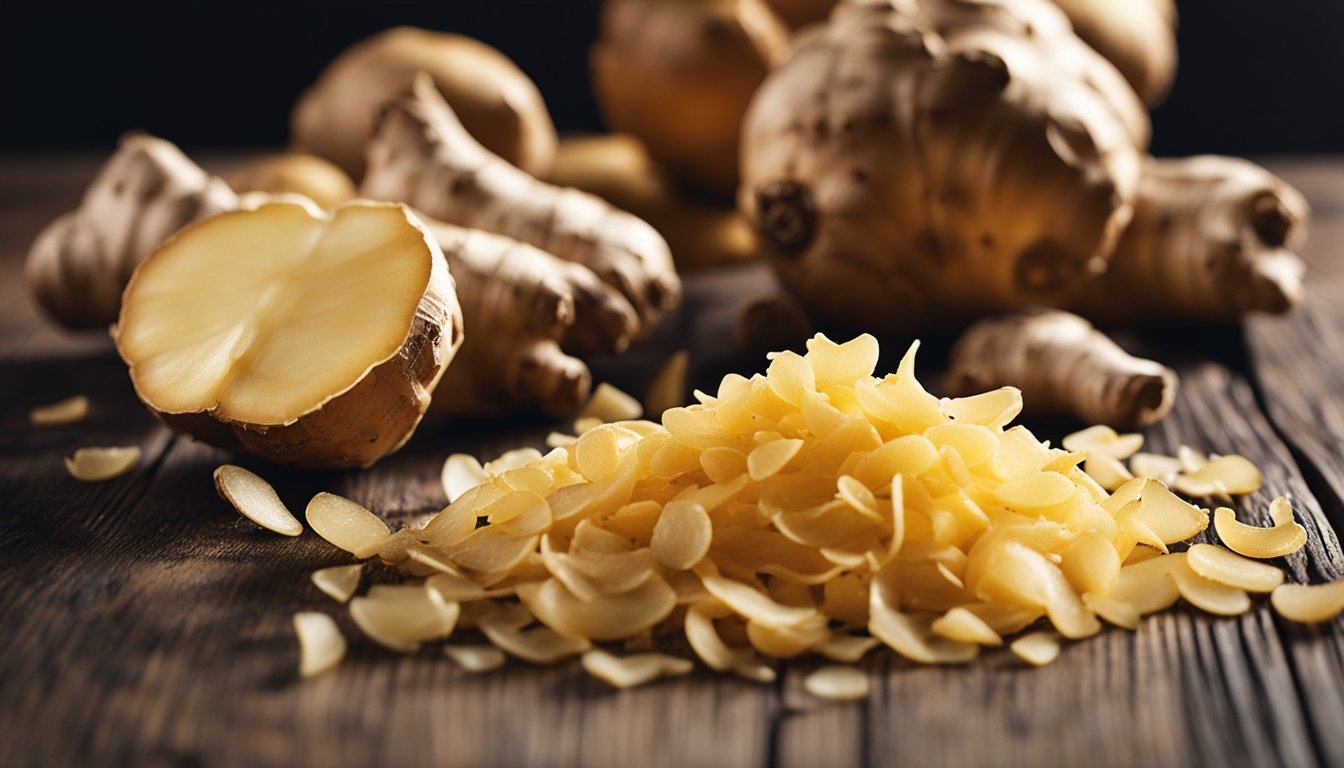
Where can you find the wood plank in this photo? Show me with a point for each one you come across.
(1296, 362)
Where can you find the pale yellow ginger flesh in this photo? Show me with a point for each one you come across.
(815, 509)
(610, 404)
(255, 499)
(71, 410)
(95, 465)
(837, 683)
(306, 337)
(668, 387)
(339, 582)
(1309, 604)
(476, 658)
(321, 645)
(1037, 648)
(1189, 472)
(635, 669)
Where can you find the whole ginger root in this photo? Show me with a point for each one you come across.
(423, 156)
(928, 163)
(1062, 365)
(520, 305)
(679, 74)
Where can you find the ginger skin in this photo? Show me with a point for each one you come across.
(79, 264)
(1213, 239)
(679, 74)
(618, 169)
(1137, 36)
(500, 106)
(1062, 365)
(970, 158)
(422, 155)
(520, 305)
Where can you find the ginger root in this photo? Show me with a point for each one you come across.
(422, 155)
(497, 103)
(618, 169)
(518, 302)
(303, 337)
(926, 163)
(1062, 365)
(1213, 239)
(521, 306)
(678, 75)
(295, 173)
(148, 190)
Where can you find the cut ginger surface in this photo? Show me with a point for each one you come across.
(266, 317)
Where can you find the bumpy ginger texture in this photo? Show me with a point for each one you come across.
(498, 104)
(79, 264)
(928, 163)
(811, 509)
(618, 169)
(303, 337)
(678, 75)
(516, 298)
(423, 156)
(1062, 365)
(1213, 239)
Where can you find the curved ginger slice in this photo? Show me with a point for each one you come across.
(1283, 538)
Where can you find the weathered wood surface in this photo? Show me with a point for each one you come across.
(143, 622)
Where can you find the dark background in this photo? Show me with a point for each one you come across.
(1255, 77)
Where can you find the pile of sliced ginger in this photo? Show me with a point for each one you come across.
(814, 509)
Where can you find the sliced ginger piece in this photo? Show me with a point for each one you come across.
(837, 683)
(1037, 648)
(609, 404)
(98, 464)
(1226, 567)
(255, 499)
(1285, 537)
(1309, 604)
(321, 645)
(306, 338)
(338, 582)
(71, 410)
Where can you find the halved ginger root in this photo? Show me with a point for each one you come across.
(816, 508)
(1062, 365)
(296, 173)
(78, 266)
(423, 156)
(508, 290)
(306, 338)
(498, 104)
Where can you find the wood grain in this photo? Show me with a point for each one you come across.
(145, 623)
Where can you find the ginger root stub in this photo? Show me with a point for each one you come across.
(303, 337)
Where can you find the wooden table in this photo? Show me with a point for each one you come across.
(143, 622)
